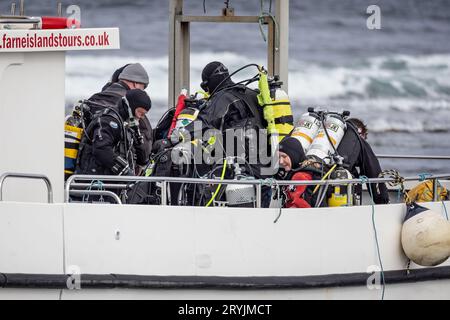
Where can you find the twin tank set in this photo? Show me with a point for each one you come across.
(320, 134)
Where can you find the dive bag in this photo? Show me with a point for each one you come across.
(424, 192)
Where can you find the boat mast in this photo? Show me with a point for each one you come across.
(179, 42)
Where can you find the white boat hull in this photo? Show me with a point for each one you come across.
(58, 239)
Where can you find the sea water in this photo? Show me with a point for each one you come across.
(396, 79)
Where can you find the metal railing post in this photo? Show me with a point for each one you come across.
(435, 190)
(164, 193)
(258, 195)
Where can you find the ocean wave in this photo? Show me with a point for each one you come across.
(411, 126)
(380, 77)
(87, 74)
(373, 88)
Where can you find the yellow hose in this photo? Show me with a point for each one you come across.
(325, 177)
(219, 186)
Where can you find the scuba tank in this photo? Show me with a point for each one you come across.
(73, 134)
(307, 128)
(240, 195)
(341, 195)
(179, 108)
(282, 110)
(329, 137)
(184, 118)
(276, 107)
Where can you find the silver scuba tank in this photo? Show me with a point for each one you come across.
(328, 138)
(307, 129)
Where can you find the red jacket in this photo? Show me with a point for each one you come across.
(294, 193)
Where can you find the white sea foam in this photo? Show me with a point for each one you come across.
(379, 85)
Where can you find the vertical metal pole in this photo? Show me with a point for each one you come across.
(183, 60)
(175, 8)
(13, 9)
(258, 196)
(282, 54)
(59, 9)
(179, 52)
(22, 7)
(271, 48)
(435, 190)
(350, 195)
(164, 193)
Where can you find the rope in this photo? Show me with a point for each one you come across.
(263, 14)
(398, 181)
(423, 176)
(94, 184)
(365, 179)
(275, 182)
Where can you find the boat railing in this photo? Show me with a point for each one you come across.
(412, 157)
(44, 178)
(101, 193)
(127, 181)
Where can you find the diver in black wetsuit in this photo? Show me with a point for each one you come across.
(360, 159)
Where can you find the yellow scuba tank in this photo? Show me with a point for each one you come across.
(341, 195)
(72, 139)
(73, 134)
(276, 107)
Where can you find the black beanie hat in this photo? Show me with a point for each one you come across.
(138, 98)
(213, 75)
(293, 148)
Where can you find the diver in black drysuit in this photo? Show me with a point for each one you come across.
(232, 106)
(113, 92)
(106, 148)
(360, 160)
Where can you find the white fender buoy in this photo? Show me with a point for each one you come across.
(425, 236)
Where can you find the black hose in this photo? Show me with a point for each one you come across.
(232, 74)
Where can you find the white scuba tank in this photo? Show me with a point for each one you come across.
(307, 129)
(321, 147)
